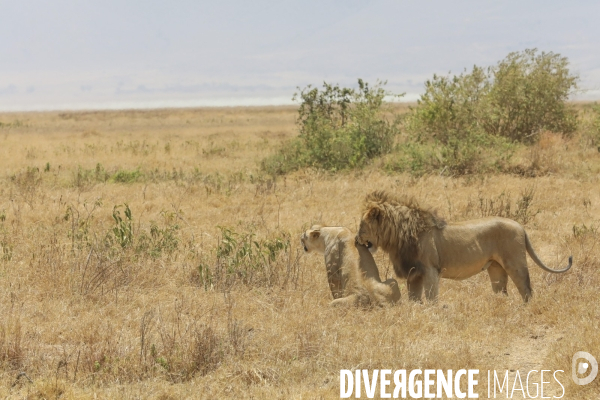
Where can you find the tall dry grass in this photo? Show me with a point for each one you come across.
(144, 255)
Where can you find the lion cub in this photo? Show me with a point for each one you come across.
(351, 270)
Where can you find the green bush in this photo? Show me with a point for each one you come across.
(529, 94)
(125, 176)
(590, 126)
(521, 96)
(86, 177)
(459, 156)
(340, 128)
(471, 122)
(162, 239)
(451, 108)
(241, 257)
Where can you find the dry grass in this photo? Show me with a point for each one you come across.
(93, 306)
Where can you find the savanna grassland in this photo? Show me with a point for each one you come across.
(145, 254)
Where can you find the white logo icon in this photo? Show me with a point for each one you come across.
(583, 367)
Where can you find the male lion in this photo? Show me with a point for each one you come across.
(423, 248)
(351, 270)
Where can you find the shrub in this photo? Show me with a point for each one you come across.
(529, 94)
(125, 176)
(162, 238)
(470, 122)
(521, 96)
(590, 126)
(340, 128)
(88, 177)
(123, 229)
(451, 108)
(458, 155)
(241, 257)
(27, 185)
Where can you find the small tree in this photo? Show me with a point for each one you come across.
(340, 128)
(529, 94)
(451, 108)
(522, 95)
(470, 122)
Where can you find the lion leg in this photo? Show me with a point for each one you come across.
(499, 278)
(520, 277)
(347, 301)
(394, 290)
(354, 300)
(431, 284)
(383, 293)
(415, 288)
(334, 278)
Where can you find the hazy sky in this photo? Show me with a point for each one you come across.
(132, 53)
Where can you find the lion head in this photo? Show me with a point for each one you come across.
(310, 240)
(394, 223)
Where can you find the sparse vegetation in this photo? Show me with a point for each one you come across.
(243, 258)
(125, 176)
(131, 290)
(15, 124)
(502, 206)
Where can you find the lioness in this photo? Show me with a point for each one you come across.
(423, 248)
(351, 270)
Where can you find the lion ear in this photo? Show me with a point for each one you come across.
(374, 212)
(315, 234)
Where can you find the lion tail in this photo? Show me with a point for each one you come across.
(539, 262)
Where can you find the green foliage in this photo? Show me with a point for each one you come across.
(86, 177)
(79, 232)
(340, 128)
(15, 124)
(596, 123)
(125, 176)
(451, 108)
(215, 182)
(518, 98)
(471, 154)
(123, 229)
(6, 249)
(582, 231)
(241, 253)
(160, 239)
(240, 257)
(471, 122)
(529, 94)
(110, 256)
(590, 126)
(162, 362)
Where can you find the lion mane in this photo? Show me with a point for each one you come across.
(401, 220)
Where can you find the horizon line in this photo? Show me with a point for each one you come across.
(230, 102)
